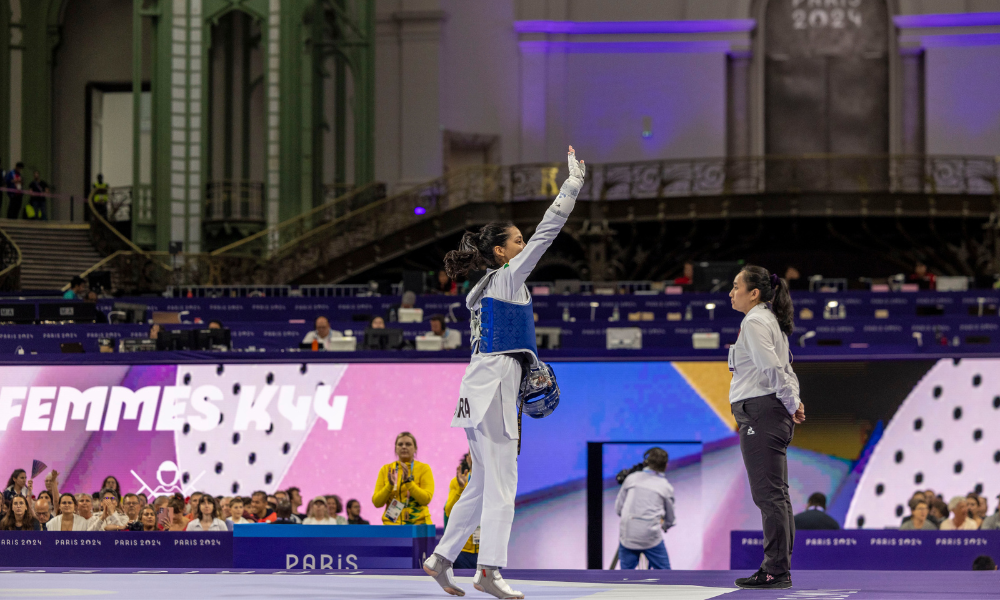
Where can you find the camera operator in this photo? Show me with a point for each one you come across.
(646, 507)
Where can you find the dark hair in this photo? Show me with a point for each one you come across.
(339, 504)
(352, 501)
(113, 492)
(77, 280)
(9, 522)
(216, 512)
(118, 486)
(47, 493)
(772, 289)
(438, 318)
(15, 475)
(284, 509)
(72, 497)
(475, 251)
(656, 459)
(983, 563)
(817, 499)
(915, 502)
(259, 493)
(217, 322)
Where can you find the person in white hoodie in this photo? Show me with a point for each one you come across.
(488, 399)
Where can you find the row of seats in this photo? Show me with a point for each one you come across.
(273, 336)
(576, 308)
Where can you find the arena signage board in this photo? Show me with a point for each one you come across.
(884, 550)
(116, 549)
(350, 547)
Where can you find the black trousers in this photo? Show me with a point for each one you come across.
(13, 205)
(765, 431)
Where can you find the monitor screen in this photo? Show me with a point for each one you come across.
(383, 339)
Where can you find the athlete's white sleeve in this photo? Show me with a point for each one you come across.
(553, 221)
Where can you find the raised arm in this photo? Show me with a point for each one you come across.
(553, 221)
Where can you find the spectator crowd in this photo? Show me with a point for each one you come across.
(110, 510)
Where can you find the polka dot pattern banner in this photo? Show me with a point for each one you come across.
(945, 436)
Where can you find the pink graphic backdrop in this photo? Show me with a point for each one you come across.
(383, 400)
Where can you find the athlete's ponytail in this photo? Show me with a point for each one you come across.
(772, 289)
(475, 251)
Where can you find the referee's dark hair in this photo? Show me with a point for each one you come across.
(984, 563)
(656, 459)
(772, 289)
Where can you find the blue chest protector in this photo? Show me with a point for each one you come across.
(505, 327)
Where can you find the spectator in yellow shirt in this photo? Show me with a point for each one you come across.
(405, 487)
(469, 556)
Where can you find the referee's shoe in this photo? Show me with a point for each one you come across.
(765, 581)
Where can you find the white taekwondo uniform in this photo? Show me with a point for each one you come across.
(487, 406)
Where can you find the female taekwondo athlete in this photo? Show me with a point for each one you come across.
(493, 391)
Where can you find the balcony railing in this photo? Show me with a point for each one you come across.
(827, 174)
(131, 203)
(10, 263)
(234, 201)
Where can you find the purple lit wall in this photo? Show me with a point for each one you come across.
(963, 100)
(607, 95)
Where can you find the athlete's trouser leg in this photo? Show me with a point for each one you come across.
(488, 500)
(765, 431)
(500, 480)
(468, 511)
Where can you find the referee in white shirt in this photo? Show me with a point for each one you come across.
(764, 396)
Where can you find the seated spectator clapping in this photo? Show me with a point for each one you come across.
(111, 518)
(959, 516)
(319, 513)
(68, 520)
(205, 515)
(918, 518)
(20, 517)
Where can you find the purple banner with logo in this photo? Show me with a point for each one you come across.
(883, 550)
(295, 547)
(114, 549)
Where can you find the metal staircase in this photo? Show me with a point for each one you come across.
(52, 253)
